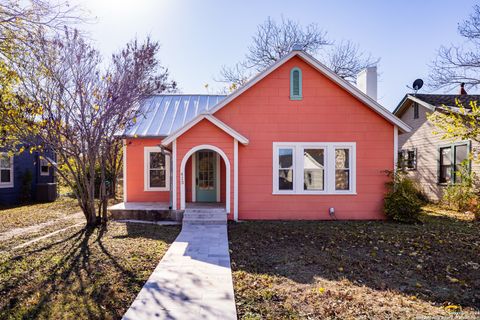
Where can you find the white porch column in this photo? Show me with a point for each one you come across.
(174, 176)
(124, 170)
(235, 179)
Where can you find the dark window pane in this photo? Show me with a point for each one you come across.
(296, 83)
(342, 179)
(157, 160)
(415, 111)
(285, 158)
(285, 179)
(5, 176)
(411, 159)
(157, 179)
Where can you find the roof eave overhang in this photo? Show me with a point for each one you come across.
(227, 129)
(400, 109)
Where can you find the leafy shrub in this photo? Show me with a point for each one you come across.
(403, 200)
(463, 195)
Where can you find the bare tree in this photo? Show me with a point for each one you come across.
(275, 40)
(76, 108)
(459, 63)
(22, 20)
(346, 60)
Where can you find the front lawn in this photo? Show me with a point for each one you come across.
(81, 274)
(357, 270)
(32, 214)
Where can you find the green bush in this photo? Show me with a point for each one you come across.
(463, 195)
(403, 200)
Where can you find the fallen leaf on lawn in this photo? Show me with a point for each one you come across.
(452, 279)
(453, 308)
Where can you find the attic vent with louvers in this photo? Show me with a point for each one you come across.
(296, 84)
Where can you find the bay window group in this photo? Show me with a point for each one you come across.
(314, 168)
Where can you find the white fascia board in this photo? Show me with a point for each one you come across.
(213, 120)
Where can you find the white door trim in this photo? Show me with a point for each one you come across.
(174, 176)
(125, 170)
(194, 177)
(182, 173)
(217, 182)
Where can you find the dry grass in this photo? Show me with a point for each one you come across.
(32, 214)
(81, 274)
(358, 270)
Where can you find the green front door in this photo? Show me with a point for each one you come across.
(206, 176)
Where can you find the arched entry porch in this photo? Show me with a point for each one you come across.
(206, 177)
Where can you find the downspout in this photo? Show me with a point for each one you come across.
(167, 152)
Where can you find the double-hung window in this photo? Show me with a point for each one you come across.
(313, 168)
(157, 170)
(6, 170)
(408, 159)
(44, 167)
(452, 160)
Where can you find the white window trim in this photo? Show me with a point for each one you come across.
(329, 173)
(44, 174)
(12, 178)
(146, 157)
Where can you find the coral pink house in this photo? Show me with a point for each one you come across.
(296, 142)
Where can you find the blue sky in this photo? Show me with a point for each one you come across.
(198, 37)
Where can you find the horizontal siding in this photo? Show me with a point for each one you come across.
(136, 173)
(327, 113)
(427, 143)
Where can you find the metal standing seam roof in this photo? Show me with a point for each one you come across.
(165, 113)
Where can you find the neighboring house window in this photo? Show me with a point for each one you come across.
(44, 167)
(415, 111)
(6, 171)
(296, 84)
(408, 159)
(451, 160)
(157, 170)
(313, 168)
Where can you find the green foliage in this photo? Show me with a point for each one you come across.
(403, 200)
(458, 124)
(26, 189)
(463, 195)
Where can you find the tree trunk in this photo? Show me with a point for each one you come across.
(103, 192)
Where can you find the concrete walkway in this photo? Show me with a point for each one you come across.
(193, 280)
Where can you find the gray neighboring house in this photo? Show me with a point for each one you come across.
(428, 158)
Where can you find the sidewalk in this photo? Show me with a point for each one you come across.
(192, 281)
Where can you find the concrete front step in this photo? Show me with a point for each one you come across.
(205, 217)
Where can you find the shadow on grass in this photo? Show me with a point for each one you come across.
(437, 261)
(84, 274)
